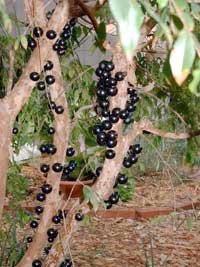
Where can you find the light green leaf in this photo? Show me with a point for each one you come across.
(94, 200)
(193, 86)
(188, 21)
(195, 11)
(182, 57)
(86, 193)
(162, 3)
(16, 44)
(129, 17)
(24, 42)
(182, 4)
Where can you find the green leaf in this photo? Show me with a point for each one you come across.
(195, 11)
(162, 3)
(24, 42)
(87, 193)
(182, 57)
(182, 4)
(193, 86)
(188, 21)
(129, 17)
(102, 31)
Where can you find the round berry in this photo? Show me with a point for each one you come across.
(34, 76)
(44, 168)
(105, 113)
(130, 107)
(48, 66)
(107, 125)
(112, 135)
(55, 47)
(34, 224)
(51, 149)
(50, 79)
(43, 148)
(116, 112)
(110, 154)
(133, 158)
(123, 114)
(32, 43)
(46, 250)
(101, 142)
(111, 143)
(137, 148)
(101, 135)
(110, 66)
(50, 239)
(112, 82)
(112, 91)
(36, 263)
(39, 210)
(108, 204)
(29, 239)
(79, 216)
(98, 171)
(104, 104)
(70, 152)
(101, 93)
(51, 232)
(66, 263)
(56, 219)
(113, 118)
(59, 109)
(97, 129)
(114, 198)
(46, 188)
(98, 72)
(41, 197)
(122, 179)
(41, 86)
(119, 76)
(128, 120)
(127, 163)
(57, 167)
(61, 52)
(134, 98)
(51, 130)
(52, 105)
(131, 91)
(15, 130)
(37, 32)
(51, 34)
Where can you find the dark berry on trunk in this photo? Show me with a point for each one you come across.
(70, 152)
(127, 163)
(119, 76)
(46, 188)
(107, 125)
(98, 171)
(122, 179)
(44, 168)
(79, 216)
(57, 167)
(51, 34)
(50, 79)
(111, 143)
(36, 263)
(34, 224)
(51, 130)
(32, 43)
(37, 32)
(34, 76)
(59, 109)
(40, 197)
(48, 66)
(56, 219)
(112, 135)
(39, 210)
(41, 86)
(110, 154)
(29, 239)
(51, 149)
(15, 130)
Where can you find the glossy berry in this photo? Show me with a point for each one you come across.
(130, 107)
(46, 250)
(113, 118)
(43, 148)
(51, 232)
(39, 210)
(101, 93)
(98, 72)
(51, 130)
(37, 32)
(102, 65)
(55, 47)
(52, 105)
(131, 91)
(46, 188)
(50, 79)
(15, 130)
(79, 216)
(112, 91)
(112, 82)
(48, 66)
(111, 143)
(51, 149)
(108, 204)
(123, 114)
(36, 263)
(34, 76)
(116, 111)
(110, 154)
(104, 104)
(101, 135)
(29, 239)
(133, 158)
(97, 129)
(114, 198)
(119, 76)
(59, 109)
(51, 34)
(128, 120)
(41, 197)
(122, 179)
(107, 125)
(134, 98)
(61, 52)
(44, 168)
(50, 239)
(66, 263)
(41, 86)
(34, 224)
(137, 148)
(70, 152)
(112, 135)
(66, 171)
(127, 163)
(105, 113)
(110, 66)
(32, 43)
(56, 219)
(101, 142)
(57, 167)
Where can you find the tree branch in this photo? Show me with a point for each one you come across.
(35, 12)
(11, 71)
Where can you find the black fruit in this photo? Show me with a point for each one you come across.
(51, 34)
(15, 130)
(52, 105)
(113, 118)
(41, 197)
(70, 152)
(104, 104)
(128, 120)
(43, 148)
(101, 135)
(66, 263)
(112, 135)
(51, 130)
(51, 232)
(79, 216)
(112, 91)
(110, 66)
(114, 198)
(46, 250)
(41, 86)
(133, 158)
(29, 239)
(119, 76)
(98, 171)
(107, 125)
(51, 149)
(37, 32)
(122, 179)
(72, 22)
(46, 188)
(102, 65)
(116, 111)
(50, 79)
(36, 263)
(57, 167)
(131, 91)
(55, 47)
(56, 219)
(111, 143)
(108, 204)
(112, 82)
(32, 43)
(101, 142)
(130, 107)
(59, 109)
(127, 163)
(44, 168)
(110, 154)
(134, 98)
(61, 52)
(123, 114)
(50, 239)
(34, 224)
(97, 129)
(137, 148)
(105, 113)
(48, 66)
(34, 76)
(98, 72)
(39, 210)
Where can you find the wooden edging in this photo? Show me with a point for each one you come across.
(135, 213)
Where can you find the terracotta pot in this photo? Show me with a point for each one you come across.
(74, 189)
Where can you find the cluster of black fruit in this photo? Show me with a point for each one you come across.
(65, 263)
(132, 155)
(60, 45)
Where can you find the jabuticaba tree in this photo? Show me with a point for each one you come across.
(117, 96)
